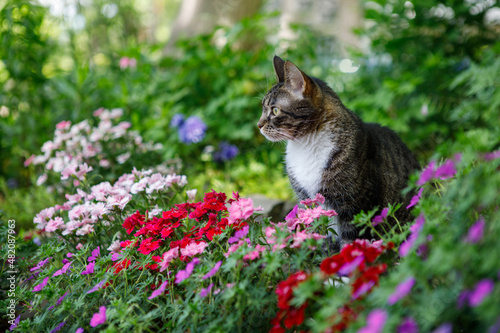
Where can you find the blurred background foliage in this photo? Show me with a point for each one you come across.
(427, 69)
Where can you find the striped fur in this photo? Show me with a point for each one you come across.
(356, 166)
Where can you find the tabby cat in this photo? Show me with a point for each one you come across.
(356, 166)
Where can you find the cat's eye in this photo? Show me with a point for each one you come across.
(276, 111)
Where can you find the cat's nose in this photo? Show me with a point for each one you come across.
(260, 125)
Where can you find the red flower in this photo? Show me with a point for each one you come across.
(284, 290)
(367, 279)
(119, 266)
(132, 221)
(148, 245)
(294, 316)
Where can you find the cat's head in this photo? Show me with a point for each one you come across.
(291, 108)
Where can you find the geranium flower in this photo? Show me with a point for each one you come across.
(447, 170)
(476, 232)
(401, 291)
(97, 286)
(415, 229)
(40, 264)
(79, 330)
(184, 274)
(98, 318)
(427, 173)
(380, 218)
(416, 198)
(375, 322)
(408, 325)
(95, 253)
(58, 327)
(254, 254)
(482, 289)
(41, 285)
(239, 235)
(89, 269)
(63, 270)
(205, 291)
(16, 322)
(148, 245)
(159, 291)
(54, 224)
(212, 271)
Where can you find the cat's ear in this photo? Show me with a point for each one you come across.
(279, 68)
(297, 80)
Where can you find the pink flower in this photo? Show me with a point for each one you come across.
(63, 270)
(98, 318)
(319, 199)
(375, 322)
(79, 330)
(476, 232)
(41, 285)
(89, 269)
(95, 253)
(29, 160)
(79, 246)
(427, 174)
(240, 210)
(184, 274)
(63, 124)
(415, 229)
(254, 254)
(300, 236)
(193, 249)
(168, 257)
(116, 256)
(234, 247)
(401, 291)
(204, 292)
(492, 156)
(349, 267)
(159, 291)
(54, 224)
(447, 170)
(68, 171)
(82, 170)
(380, 218)
(482, 289)
(292, 214)
(270, 231)
(363, 289)
(212, 271)
(416, 198)
(97, 286)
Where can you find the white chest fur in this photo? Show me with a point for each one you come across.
(306, 159)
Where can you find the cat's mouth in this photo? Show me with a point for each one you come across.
(274, 135)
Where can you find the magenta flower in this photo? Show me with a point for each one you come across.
(416, 198)
(363, 289)
(401, 291)
(415, 229)
(116, 256)
(427, 174)
(16, 322)
(79, 330)
(205, 291)
(95, 253)
(212, 271)
(319, 199)
(493, 155)
(185, 273)
(292, 214)
(444, 328)
(408, 325)
(447, 170)
(380, 218)
(40, 264)
(240, 210)
(349, 267)
(58, 327)
(239, 235)
(482, 289)
(375, 322)
(98, 318)
(41, 285)
(476, 232)
(89, 269)
(159, 291)
(97, 286)
(63, 270)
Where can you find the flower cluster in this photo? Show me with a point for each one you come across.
(191, 130)
(78, 149)
(225, 152)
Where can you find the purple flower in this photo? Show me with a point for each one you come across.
(483, 288)
(193, 130)
(493, 155)
(16, 322)
(79, 330)
(238, 235)
(416, 198)
(97, 286)
(89, 269)
(59, 301)
(427, 174)
(69, 255)
(115, 256)
(444, 328)
(40, 264)
(375, 322)
(462, 298)
(58, 327)
(415, 229)
(447, 170)
(213, 270)
(363, 289)
(349, 267)
(408, 325)
(184, 274)
(204, 292)
(98, 318)
(401, 291)
(476, 232)
(41, 285)
(292, 214)
(159, 291)
(380, 218)
(63, 270)
(95, 254)
(177, 120)
(495, 328)
(226, 152)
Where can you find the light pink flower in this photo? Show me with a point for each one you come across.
(300, 236)
(168, 257)
(68, 171)
(191, 194)
(42, 179)
(254, 254)
(82, 170)
(65, 124)
(319, 200)
(240, 210)
(54, 224)
(29, 160)
(193, 249)
(85, 230)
